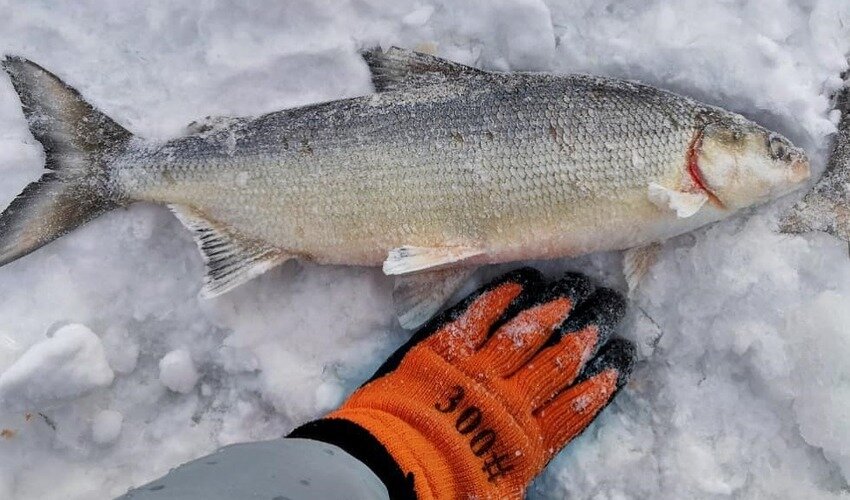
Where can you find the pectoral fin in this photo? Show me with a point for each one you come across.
(230, 260)
(409, 259)
(636, 263)
(418, 296)
(685, 204)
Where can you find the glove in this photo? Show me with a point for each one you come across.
(480, 399)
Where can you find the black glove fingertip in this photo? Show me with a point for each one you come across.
(605, 309)
(618, 354)
(574, 286)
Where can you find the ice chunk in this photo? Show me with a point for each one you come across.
(121, 350)
(63, 367)
(106, 426)
(820, 346)
(419, 16)
(329, 395)
(177, 371)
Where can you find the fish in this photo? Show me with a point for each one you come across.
(443, 168)
(826, 207)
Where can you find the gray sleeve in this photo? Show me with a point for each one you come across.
(281, 469)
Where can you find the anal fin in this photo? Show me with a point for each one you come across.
(230, 261)
(418, 296)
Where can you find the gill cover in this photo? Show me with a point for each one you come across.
(744, 164)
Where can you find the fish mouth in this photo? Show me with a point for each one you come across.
(798, 173)
(800, 170)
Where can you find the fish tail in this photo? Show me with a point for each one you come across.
(78, 143)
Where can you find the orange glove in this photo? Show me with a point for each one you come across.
(480, 399)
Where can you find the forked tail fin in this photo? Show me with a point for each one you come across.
(78, 141)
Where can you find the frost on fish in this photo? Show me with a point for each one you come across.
(445, 166)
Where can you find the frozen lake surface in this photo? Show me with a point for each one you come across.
(112, 370)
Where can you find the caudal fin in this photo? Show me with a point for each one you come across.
(78, 142)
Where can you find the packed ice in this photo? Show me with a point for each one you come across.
(63, 367)
(106, 426)
(113, 370)
(177, 372)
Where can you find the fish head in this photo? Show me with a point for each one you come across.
(740, 163)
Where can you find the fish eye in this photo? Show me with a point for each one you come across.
(778, 148)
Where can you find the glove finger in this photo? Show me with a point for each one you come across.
(574, 343)
(603, 310)
(568, 414)
(462, 328)
(517, 340)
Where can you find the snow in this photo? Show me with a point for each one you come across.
(106, 426)
(63, 367)
(177, 372)
(743, 388)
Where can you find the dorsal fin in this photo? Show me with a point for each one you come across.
(230, 260)
(399, 68)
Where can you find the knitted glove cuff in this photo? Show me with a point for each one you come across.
(362, 445)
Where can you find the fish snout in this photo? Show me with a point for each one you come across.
(800, 170)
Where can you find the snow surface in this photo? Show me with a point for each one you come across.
(106, 426)
(744, 384)
(177, 371)
(63, 367)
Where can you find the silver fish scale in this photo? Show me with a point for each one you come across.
(498, 162)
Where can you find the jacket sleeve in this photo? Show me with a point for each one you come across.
(281, 469)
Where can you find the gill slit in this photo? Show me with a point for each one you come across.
(695, 172)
